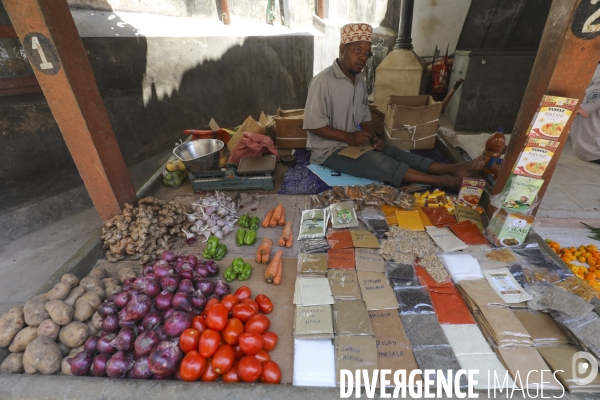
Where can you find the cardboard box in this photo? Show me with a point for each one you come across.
(411, 122)
(377, 117)
(288, 128)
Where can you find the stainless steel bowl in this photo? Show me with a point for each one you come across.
(199, 155)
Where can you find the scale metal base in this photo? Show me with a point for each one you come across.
(252, 173)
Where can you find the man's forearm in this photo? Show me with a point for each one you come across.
(327, 132)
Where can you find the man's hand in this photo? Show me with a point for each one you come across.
(377, 143)
(358, 138)
(449, 181)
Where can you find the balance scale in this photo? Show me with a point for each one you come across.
(251, 173)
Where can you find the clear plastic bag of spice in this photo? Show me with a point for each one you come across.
(414, 300)
(401, 274)
(586, 330)
(375, 221)
(313, 224)
(320, 245)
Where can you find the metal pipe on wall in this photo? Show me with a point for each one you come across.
(226, 16)
(404, 40)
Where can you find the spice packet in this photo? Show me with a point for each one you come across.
(470, 191)
(344, 284)
(320, 245)
(313, 224)
(312, 264)
(469, 233)
(343, 215)
(375, 221)
(445, 239)
(464, 213)
(509, 228)
(522, 193)
(552, 117)
(535, 157)
(314, 322)
(439, 216)
(505, 285)
(350, 318)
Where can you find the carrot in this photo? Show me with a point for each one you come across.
(271, 270)
(281, 221)
(277, 278)
(265, 223)
(276, 215)
(286, 235)
(265, 258)
(264, 249)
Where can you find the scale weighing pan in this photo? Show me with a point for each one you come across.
(254, 165)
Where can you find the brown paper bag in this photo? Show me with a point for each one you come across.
(249, 125)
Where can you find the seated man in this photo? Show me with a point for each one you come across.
(337, 115)
(585, 132)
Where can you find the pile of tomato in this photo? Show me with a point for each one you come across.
(231, 340)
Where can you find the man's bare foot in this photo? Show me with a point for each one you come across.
(468, 168)
(449, 182)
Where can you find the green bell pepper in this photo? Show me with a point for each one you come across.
(254, 223)
(220, 252)
(246, 272)
(237, 265)
(211, 246)
(244, 221)
(250, 238)
(240, 236)
(229, 274)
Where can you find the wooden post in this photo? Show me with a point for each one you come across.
(50, 39)
(565, 63)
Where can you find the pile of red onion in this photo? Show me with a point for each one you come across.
(141, 325)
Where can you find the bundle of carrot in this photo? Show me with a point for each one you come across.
(286, 236)
(275, 217)
(263, 253)
(274, 271)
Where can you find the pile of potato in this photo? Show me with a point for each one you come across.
(42, 334)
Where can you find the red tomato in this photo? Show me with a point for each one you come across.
(216, 317)
(257, 323)
(262, 356)
(238, 352)
(209, 343)
(251, 303)
(211, 302)
(243, 312)
(264, 304)
(223, 359)
(189, 340)
(209, 374)
(231, 375)
(270, 372)
(192, 366)
(251, 343)
(232, 330)
(229, 301)
(199, 323)
(243, 292)
(270, 339)
(249, 369)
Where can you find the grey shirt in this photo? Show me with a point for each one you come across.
(335, 101)
(585, 132)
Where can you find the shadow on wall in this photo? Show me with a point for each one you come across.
(391, 19)
(253, 75)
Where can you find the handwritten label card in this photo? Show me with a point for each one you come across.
(376, 291)
(395, 353)
(344, 284)
(313, 320)
(364, 239)
(341, 259)
(355, 151)
(313, 291)
(386, 323)
(355, 352)
(369, 260)
(463, 213)
(350, 317)
(445, 239)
